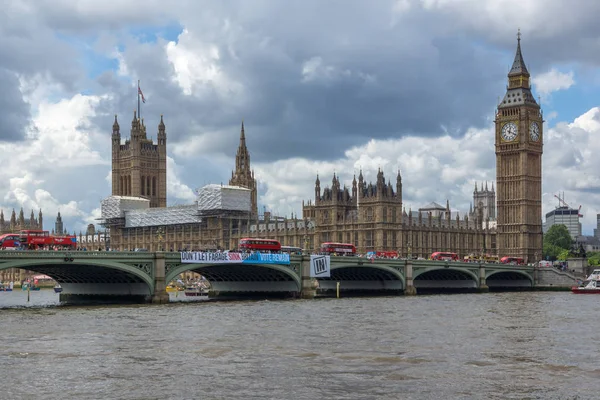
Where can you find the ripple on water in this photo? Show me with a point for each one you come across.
(489, 346)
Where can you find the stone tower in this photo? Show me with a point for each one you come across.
(519, 142)
(139, 167)
(58, 225)
(243, 176)
(484, 198)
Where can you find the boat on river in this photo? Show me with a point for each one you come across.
(591, 285)
(195, 290)
(58, 288)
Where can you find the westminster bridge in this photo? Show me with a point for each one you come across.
(142, 276)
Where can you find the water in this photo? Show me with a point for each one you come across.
(472, 346)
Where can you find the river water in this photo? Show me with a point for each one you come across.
(536, 345)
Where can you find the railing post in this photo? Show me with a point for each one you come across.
(483, 287)
(410, 289)
(160, 295)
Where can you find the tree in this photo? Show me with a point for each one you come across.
(558, 235)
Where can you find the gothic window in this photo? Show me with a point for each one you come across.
(369, 217)
(154, 186)
(143, 185)
(384, 214)
(385, 240)
(394, 215)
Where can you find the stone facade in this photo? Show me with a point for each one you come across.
(519, 146)
(139, 167)
(16, 224)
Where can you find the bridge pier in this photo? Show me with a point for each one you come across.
(160, 295)
(410, 289)
(483, 287)
(307, 291)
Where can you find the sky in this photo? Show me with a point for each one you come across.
(322, 87)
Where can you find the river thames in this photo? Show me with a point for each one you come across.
(534, 345)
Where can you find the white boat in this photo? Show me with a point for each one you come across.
(590, 286)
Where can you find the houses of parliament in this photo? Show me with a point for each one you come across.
(504, 220)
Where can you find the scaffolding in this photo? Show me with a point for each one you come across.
(187, 214)
(113, 208)
(228, 201)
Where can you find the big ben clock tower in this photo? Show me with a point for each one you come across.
(519, 145)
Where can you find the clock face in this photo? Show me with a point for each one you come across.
(534, 131)
(509, 131)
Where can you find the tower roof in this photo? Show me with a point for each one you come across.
(518, 92)
(518, 67)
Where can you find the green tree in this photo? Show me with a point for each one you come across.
(551, 252)
(564, 255)
(558, 235)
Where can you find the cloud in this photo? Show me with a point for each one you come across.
(552, 81)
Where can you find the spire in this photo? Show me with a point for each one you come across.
(475, 191)
(399, 177)
(317, 182)
(492, 186)
(482, 186)
(116, 127)
(518, 67)
(447, 205)
(161, 124)
(242, 134)
(486, 186)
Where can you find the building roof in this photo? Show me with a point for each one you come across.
(433, 206)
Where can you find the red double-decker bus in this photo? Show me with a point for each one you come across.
(9, 241)
(346, 249)
(259, 244)
(33, 239)
(444, 256)
(512, 260)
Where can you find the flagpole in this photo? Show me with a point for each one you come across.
(138, 94)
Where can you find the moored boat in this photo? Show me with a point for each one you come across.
(590, 286)
(195, 290)
(58, 288)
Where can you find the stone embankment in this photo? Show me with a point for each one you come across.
(554, 279)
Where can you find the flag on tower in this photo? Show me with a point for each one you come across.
(141, 94)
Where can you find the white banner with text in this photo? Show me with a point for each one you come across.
(215, 257)
(320, 266)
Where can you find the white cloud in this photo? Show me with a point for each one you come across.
(196, 66)
(553, 81)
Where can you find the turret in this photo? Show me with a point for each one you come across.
(162, 134)
(32, 220)
(1, 218)
(40, 220)
(116, 133)
(317, 190)
(13, 219)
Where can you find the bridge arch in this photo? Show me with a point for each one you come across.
(244, 277)
(445, 277)
(363, 277)
(509, 279)
(84, 271)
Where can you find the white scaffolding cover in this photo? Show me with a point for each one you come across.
(224, 198)
(115, 206)
(187, 214)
